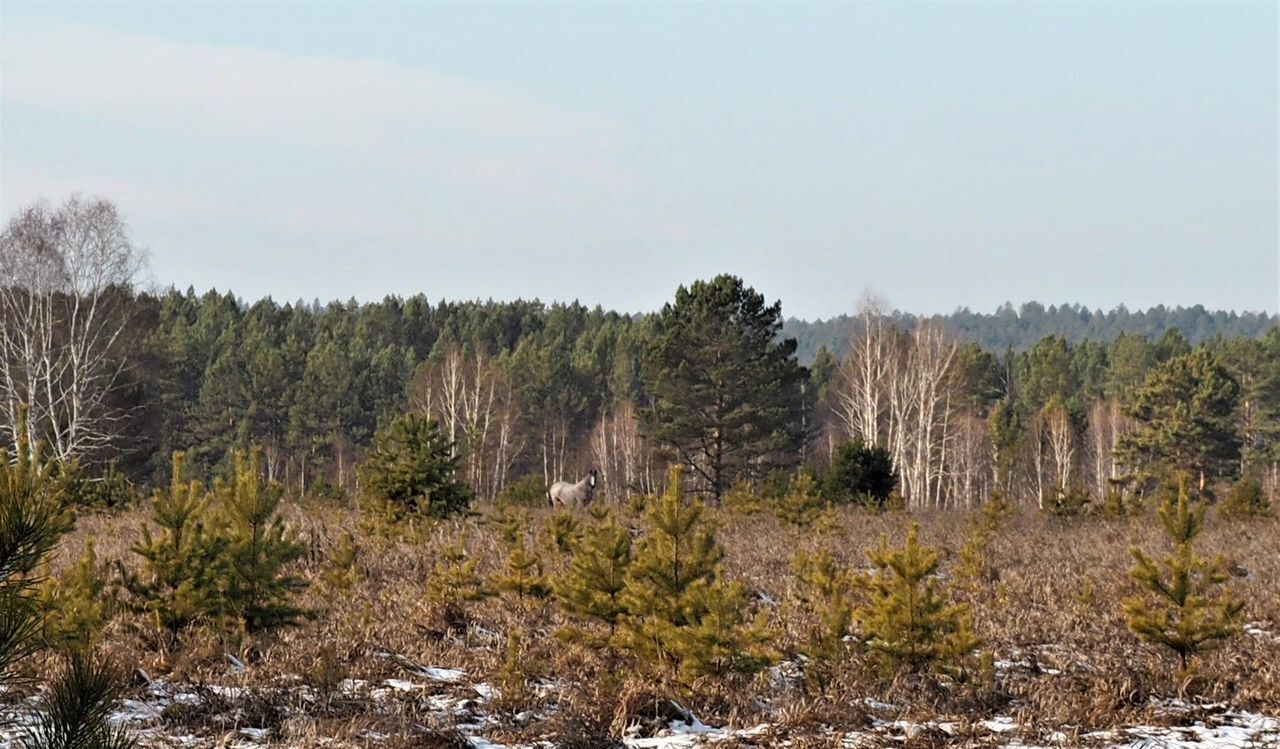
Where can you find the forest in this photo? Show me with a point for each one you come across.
(262, 521)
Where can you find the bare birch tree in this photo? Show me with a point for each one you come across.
(66, 278)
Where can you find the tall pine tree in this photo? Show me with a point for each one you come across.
(725, 386)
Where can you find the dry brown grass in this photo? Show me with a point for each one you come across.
(1054, 616)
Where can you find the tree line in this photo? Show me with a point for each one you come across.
(525, 392)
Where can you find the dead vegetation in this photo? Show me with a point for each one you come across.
(1055, 654)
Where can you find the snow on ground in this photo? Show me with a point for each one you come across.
(444, 697)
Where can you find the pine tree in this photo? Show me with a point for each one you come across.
(591, 590)
(725, 385)
(522, 575)
(827, 594)
(679, 613)
(1192, 611)
(1247, 500)
(32, 520)
(454, 583)
(802, 504)
(413, 469)
(73, 712)
(75, 604)
(184, 570)
(258, 548)
(860, 474)
(1185, 413)
(908, 621)
(344, 567)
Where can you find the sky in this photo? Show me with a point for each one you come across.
(940, 154)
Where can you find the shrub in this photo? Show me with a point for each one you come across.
(1247, 500)
(412, 470)
(861, 474)
(529, 491)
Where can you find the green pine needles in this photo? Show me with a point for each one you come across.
(1185, 606)
(221, 564)
(259, 548)
(908, 621)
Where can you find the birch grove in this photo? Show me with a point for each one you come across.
(66, 277)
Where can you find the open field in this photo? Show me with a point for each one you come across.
(380, 666)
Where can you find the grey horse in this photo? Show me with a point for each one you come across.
(573, 495)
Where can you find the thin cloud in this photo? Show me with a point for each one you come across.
(409, 115)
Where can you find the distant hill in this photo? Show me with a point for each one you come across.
(1020, 328)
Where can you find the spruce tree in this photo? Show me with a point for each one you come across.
(679, 613)
(591, 590)
(258, 548)
(725, 386)
(908, 622)
(184, 577)
(1186, 608)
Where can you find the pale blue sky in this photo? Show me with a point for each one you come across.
(942, 154)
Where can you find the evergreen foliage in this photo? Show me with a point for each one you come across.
(184, 577)
(828, 592)
(522, 575)
(802, 503)
(591, 590)
(908, 621)
(75, 604)
(1186, 607)
(75, 711)
(1247, 499)
(343, 568)
(860, 473)
(725, 387)
(454, 583)
(680, 614)
(32, 520)
(1185, 412)
(258, 548)
(412, 470)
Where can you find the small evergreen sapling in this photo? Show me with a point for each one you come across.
(259, 547)
(679, 613)
(591, 590)
(76, 606)
(413, 470)
(184, 576)
(522, 575)
(1247, 500)
(1192, 611)
(828, 591)
(908, 622)
(454, 583)
(802, 503)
